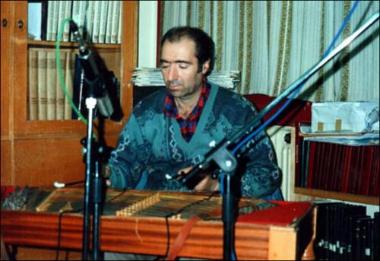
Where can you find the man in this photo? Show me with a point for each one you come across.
(171, 130)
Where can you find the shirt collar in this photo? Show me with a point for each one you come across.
(170, 109)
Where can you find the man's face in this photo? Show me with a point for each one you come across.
(179, 67)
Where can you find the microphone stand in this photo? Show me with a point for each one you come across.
(227, 162)
(93, 194)
(97, 94)
(90, 205)
(96, 154)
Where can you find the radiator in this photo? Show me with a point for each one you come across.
(283, 139)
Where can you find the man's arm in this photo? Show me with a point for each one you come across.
(132, 166)
(124, 162)
(260, 175)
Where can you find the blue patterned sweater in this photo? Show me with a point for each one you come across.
(151, 145)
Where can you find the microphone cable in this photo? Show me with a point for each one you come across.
(60, 72)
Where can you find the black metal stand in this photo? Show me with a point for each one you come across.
(96, 154)
(98, 201)
(227, 164)
(88, 181)
(93, 190)
(228, 217)
(100, 95)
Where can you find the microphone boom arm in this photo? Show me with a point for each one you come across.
(221, 147)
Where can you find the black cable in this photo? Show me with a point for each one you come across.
(60, 216)
(167, 235)
(59, 235)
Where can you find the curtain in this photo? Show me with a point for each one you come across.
(272, 43)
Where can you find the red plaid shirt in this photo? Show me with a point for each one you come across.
(189, 124)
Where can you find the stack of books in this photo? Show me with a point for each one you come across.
(346, 232)
(153, 77)
(340, 163)
(46, 100)
(99, 21)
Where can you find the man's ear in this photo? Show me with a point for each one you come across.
(205, 67)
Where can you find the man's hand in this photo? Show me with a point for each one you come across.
(206, 184)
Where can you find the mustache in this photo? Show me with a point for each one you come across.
(174, 82)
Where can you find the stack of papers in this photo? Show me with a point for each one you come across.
(228, 80)
(345, 138)
(147, 77)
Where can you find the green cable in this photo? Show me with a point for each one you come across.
(62, 82)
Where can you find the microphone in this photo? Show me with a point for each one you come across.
(96, 75)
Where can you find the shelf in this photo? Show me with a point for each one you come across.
(39, 152)
(47, 44)
(338, 195)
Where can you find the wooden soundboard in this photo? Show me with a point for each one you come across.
(148, 222)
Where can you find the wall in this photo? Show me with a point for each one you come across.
(147, 42)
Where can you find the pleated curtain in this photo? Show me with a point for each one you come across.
(272, 43)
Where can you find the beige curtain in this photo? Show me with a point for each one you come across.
(273, 43)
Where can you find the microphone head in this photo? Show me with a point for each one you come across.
(74, 27)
